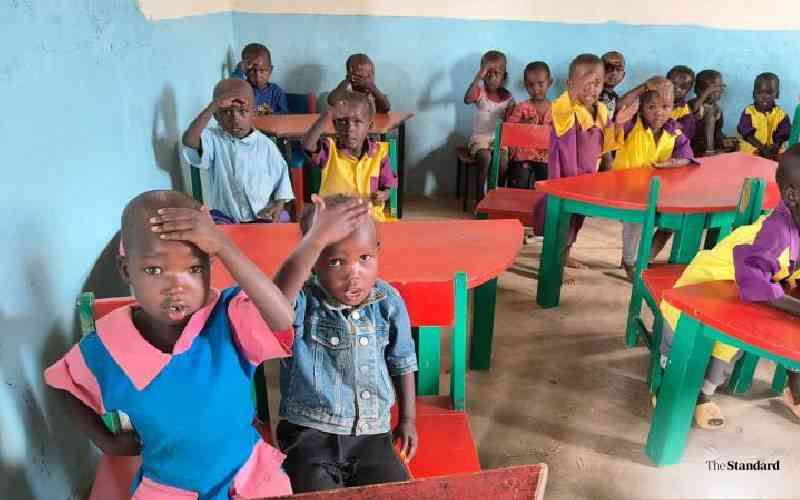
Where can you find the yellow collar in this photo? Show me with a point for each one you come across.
(566, 112)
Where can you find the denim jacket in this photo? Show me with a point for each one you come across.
(338, 379)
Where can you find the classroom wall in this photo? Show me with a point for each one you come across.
(94, 97)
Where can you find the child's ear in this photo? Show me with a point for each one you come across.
(122, 267)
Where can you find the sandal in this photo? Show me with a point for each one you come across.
(708, 416)
(788, 400)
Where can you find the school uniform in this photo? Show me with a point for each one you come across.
(684, 116)
(771, 127)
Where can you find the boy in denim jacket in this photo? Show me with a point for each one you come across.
(353, 352)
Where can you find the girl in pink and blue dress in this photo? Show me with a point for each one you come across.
(180, 361)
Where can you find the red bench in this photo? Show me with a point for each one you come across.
(510, 203)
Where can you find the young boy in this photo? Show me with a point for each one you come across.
(761, 258)
(256, 67)
(352, 162)
(352, 354)
(764, 126)
(249, 177)
(682, 78)
(614, 66)
(708, 138)
(360, 78)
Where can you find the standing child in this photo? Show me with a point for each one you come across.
(353, 355)
(761, 257)
(352, 162)
(708, 138)
(249, 177)
(764, 126)
(614, 66)
(361, 79)
(180, 361)
(492, 101)
(536, 111)
(682, 78)
(256, 67)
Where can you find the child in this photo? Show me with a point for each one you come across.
(581, 133)
(536, 110)
(353, 353)
(614, 66)
(180, 362)
(682, 78)
(256, 67)
(652, 138)
(708, 138)
(249, 177)
(352, 162)
(760, 257)
(360, 78)
(492, 101)
(764, 126)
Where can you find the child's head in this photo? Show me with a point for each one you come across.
(585, 81)
(655, 108)
(348, 268)
(787, 176)
(237, 119)
(352, 119)
(614, 66)
(170, 279)
(766, 89)
(495, 63)
(537, 80)
(709, 78)
(258, 64)
(359, 69)
(682, 78)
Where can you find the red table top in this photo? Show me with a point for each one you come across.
(717, 305)
(296, 126)
(411, 251)
(712, 186)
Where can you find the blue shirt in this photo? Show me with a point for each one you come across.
(269, 100)
(246, 174)
(339, 378)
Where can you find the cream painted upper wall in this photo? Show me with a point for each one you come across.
(732, 14)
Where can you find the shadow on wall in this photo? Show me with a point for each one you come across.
(306, 78)
(166, 137)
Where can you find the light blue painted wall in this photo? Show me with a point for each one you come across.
(426, 64)
(93, 98)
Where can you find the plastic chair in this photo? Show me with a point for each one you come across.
(515, 135)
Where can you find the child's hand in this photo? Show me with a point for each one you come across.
(380, 197)
(405, 435)
(271, 212)
(188, 224)
(125, 443)
(228, 100)
(626, 113)
(336, 223)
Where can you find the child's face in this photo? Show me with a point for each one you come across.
(656, 111)
(259, 71)
(348, 269)
(715, 96)
(495, 75)
(765, 93)
(360, 74)
(537, 83)
(614, 73)
(681, 83)
(351, 122)
(586, 84)
(170, 279)
(237, 120)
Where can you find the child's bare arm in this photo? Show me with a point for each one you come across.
(473, 91)
(87, 421)
(656, 83)
(191, 137)
(335, 94)
(406, 430)
(382, 104)
(311, 139)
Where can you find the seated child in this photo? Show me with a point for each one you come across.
(492, 101)
(180, 361)
(536, 110)
(353, 353)
(682, 78)
(652, 138)
(256, 67)
(581, 133)
(614, 65)
(352, 162)
(764, 126)
(760, 257)
(708, 138)
(360, 78)
(249, 177)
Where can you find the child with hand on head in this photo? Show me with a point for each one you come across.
(360, 78)
(180, 361)
(682, 78)
(764, 126)
(535, 110)
(708, 138)
(352, 162)
(492, 100)
(614, 66)
(353, 355)
(256, 67)
(762, 258)
(249, 177)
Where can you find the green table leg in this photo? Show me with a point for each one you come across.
(458, 345)
(779, 379)
(655, 354)
(677, 397)
(429, 347)
(686, 241)
(551, 264)
(485, 298)
(742, 376)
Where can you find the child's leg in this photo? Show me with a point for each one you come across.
(312, 458)
(374, 460)
(484, 158)
(631, 233)
(660, 240)
(791, 397)
(575, 224)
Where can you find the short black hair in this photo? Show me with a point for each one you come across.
(704, 78)
(788, 172)
(537, 66)
(253, 50)
(682, 70)
(767, 76)
(358, 60)
(358, 99)
(145, 205)
(581, 60)
(494, 56)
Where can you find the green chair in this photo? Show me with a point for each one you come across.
(795, 135)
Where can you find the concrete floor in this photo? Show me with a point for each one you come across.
(563, 389)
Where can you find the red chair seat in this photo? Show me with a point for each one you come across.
(661, 277)
(510, 203)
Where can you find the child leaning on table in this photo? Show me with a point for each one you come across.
(353, 353)
(762, 258)
(180, 361)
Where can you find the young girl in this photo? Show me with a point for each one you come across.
(353, 353)
(492, 101)
(530, 162)
(764, 126)
(682, 78)
(708, 139)
(180, 361)
(652, 138)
